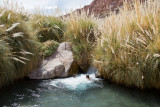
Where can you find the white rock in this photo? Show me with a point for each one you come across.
(58, 65)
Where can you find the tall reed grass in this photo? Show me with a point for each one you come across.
(81, 31)
(18, 49)
(128, 51)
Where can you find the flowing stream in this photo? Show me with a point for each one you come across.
(75, 92)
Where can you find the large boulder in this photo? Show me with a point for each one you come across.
(60, 64)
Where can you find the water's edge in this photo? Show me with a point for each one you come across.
(75, 92)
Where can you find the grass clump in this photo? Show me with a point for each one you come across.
(49, 48)
(128, 52)
(18, 49)
(47, 27)
(81, 33)
(24, 39)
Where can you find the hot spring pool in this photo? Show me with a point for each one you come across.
(75, 92)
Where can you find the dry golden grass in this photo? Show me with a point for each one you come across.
(128, 51)
(80, 32)
(18, 48)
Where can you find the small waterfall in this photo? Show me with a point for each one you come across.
(92, 70)
(80, 82)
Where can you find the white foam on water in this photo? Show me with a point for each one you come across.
(78, 83)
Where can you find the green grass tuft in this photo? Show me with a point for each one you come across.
(49, 48)
(47, 28)
(19, 50)
(81, 33)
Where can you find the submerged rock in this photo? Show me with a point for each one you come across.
(60, 64)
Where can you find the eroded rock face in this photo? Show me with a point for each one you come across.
(60, 64)
(102, 8)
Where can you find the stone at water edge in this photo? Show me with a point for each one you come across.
(48, 70)
(64, 53)
(60, 64)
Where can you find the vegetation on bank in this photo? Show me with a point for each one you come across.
(21, 48)
(124, 47)
(47, 27)
(128, 51)
(81, 32)
(18, 48)
(48, 48)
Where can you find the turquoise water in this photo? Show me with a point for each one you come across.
(75, 92)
